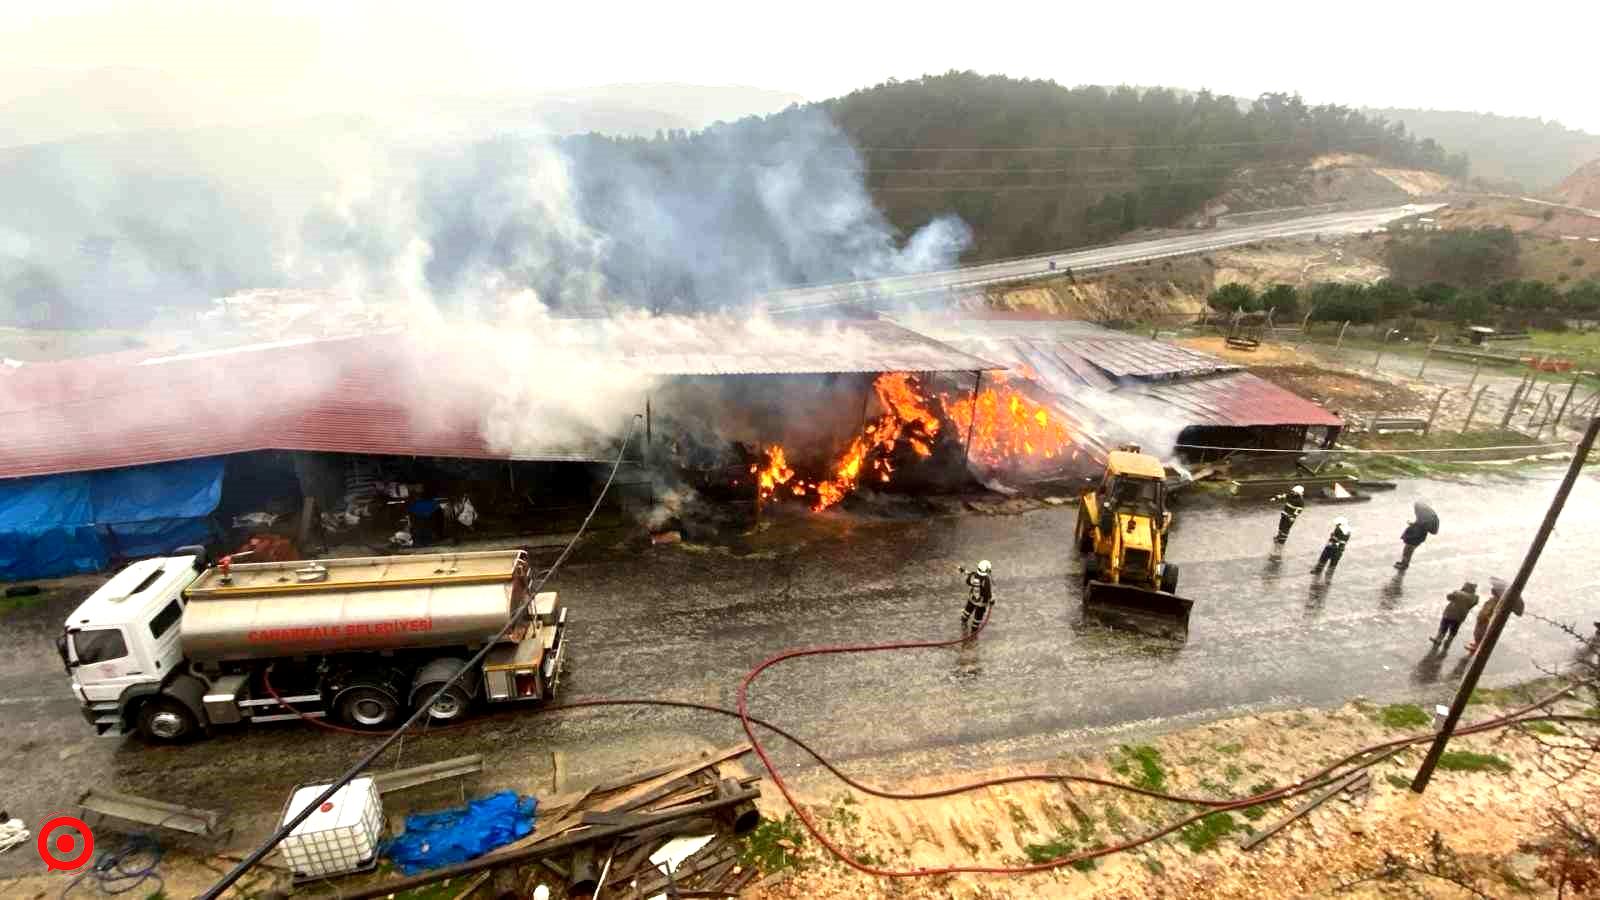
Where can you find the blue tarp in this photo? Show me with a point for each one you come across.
(456, 835)
(78, 522)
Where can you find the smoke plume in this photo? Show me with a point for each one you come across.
(111, 230)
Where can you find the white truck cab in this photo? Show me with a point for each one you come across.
(124, 638)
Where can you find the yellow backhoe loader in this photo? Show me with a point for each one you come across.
(1122, 533)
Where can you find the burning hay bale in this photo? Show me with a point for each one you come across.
(1001, 428)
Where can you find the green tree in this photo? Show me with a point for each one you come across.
(1390, 299)
(1281, 299)
(1234, 297)
(1471, 307)
(1583, 298)
(1437, 296)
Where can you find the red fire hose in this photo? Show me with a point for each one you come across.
(1367, 757)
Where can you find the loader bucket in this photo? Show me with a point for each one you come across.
(1140, 609)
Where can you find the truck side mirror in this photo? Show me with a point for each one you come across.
(195, 550)
(61, 648)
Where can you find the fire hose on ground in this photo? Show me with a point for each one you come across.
(1360, 759)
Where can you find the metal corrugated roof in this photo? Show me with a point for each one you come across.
(1117, 355)
(1124, 357)
(1207, 397)
(394, 394)
(1239, 399)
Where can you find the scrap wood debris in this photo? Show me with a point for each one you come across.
(629, 835)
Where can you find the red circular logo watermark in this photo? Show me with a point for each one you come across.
(54, 851)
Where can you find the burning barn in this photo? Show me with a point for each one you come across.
(1122, 387)
(402, 439)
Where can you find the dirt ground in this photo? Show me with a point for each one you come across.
(1337, 389)
(1527, 219)
(1484, 817)
(1302, 263)
(1143, 291)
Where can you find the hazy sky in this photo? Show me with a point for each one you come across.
(1531, 58)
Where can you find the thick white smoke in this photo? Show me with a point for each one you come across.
(485, 245)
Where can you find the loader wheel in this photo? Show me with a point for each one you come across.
(1091, 569)
(165, 720)
(368, 706)
(1169, 579)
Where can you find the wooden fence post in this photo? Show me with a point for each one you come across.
(1472, 410)
(1428, 428)
(1425, 354)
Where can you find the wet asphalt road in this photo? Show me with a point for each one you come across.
(686, 624)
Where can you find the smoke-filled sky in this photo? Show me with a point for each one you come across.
(1531, 59)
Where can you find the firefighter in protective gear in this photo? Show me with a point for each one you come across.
(980, 597)
(1334, 549)
(1294, 503)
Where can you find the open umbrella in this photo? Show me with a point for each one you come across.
(1426, 517)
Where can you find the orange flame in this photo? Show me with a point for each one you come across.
(1009, 428)
(1006, 426)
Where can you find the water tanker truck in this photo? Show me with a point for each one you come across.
(172, 649)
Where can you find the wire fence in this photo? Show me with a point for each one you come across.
(1424, 379)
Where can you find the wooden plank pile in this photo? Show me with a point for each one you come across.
(609, 838)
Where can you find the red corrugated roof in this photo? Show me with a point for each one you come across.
(361, 395)
(398, 394)
(1239, 399)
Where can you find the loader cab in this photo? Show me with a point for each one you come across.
(127, 632)
(1134, 484)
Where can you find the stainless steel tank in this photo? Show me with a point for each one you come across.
(373, 618)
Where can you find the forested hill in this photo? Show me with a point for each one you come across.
(1085, 163)
(1535, 154)
(1034, 166)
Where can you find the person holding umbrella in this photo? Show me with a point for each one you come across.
(1424, 523)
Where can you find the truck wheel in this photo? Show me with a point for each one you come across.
(450, 706)
(368, 706)
(1169, 578)
(165, 720)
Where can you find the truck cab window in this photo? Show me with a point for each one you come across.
(99, 645)
(165, 619)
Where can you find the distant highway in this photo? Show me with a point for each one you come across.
(828, 295)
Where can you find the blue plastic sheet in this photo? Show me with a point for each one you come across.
(78, 522)
(431, 840)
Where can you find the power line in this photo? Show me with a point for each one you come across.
(876, 170)
(1085, 148)
(1061, 186)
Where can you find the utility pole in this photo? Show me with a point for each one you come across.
(1509, 599)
